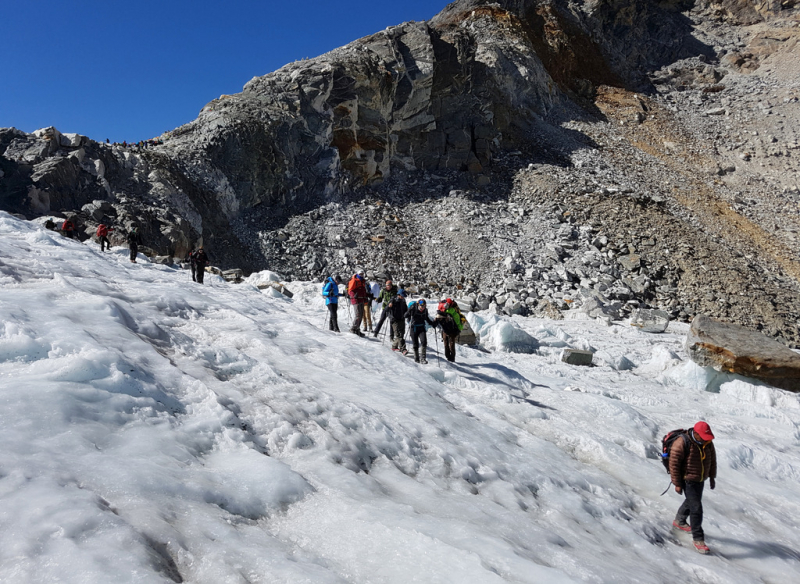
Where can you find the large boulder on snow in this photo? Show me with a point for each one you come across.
(650, 321)
(735, 349)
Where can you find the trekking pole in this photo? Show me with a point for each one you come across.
(325, 322)
(436, 338)
(667, 489)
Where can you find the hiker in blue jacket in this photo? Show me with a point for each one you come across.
(330, 290)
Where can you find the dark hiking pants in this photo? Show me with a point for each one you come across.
(384, 316)
(333, 319)
(419, 337)
(134, 250)
(200, 272)
(693, 509)
(449, 346)
(359, 316)
(399, 332)
(104, 242)
(194, 272)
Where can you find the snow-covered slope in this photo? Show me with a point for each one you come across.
(157, 430)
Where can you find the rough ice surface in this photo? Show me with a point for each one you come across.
(156, 430)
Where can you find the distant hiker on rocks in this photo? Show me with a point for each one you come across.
(68, 228)
(386, 295)
(330, 291)
(417, 315)
(49, 225)
(451, 321)
(192, 266)
(357, 291)
(396, 309)
(200, 262)
(692, 460)
(134, 241)
(102, 236)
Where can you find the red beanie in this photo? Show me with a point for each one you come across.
(703, 430)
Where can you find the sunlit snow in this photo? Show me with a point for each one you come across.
(157, 430)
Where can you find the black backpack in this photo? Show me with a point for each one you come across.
(666, 444)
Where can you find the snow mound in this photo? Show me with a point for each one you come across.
(500, 335)
(262, 278)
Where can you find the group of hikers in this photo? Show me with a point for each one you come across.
(688, 455)
(140, 145)
(197, 258)
(398, 310)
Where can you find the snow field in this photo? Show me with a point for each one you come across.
(159, 430)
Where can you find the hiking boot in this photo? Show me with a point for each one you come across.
(404, 351)
(375, 335)
(424, 359)
(701, 546)
(395, 349)
(682, 526)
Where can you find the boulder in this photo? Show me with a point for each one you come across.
(630, 262)
(735, 349)
(577, 357)
(467, 335)
(650, 321)
(236, 275)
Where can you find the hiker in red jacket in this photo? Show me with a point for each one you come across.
(692, 460)
(102, 236)
(357, 290)
(68, 228)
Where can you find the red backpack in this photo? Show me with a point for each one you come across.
(102, 230)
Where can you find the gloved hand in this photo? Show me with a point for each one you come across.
(712, 483)
(678, 489)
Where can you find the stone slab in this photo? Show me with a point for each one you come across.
(735, 349)
(467, 336)
(577, 357)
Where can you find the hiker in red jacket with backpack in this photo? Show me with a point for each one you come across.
(692, 460)
(102, 236)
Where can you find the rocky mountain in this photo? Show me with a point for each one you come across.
(534, 155)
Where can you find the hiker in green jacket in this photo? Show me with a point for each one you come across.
(385, 297)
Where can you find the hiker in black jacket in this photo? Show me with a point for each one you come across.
(200, 262)
(417, 315)
(396, 309)
(134, 241)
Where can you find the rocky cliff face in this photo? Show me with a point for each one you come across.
(533, 151)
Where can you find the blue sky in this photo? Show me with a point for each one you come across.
(131, 70)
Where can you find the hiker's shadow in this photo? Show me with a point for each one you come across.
(763, 549)
(469, 372)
